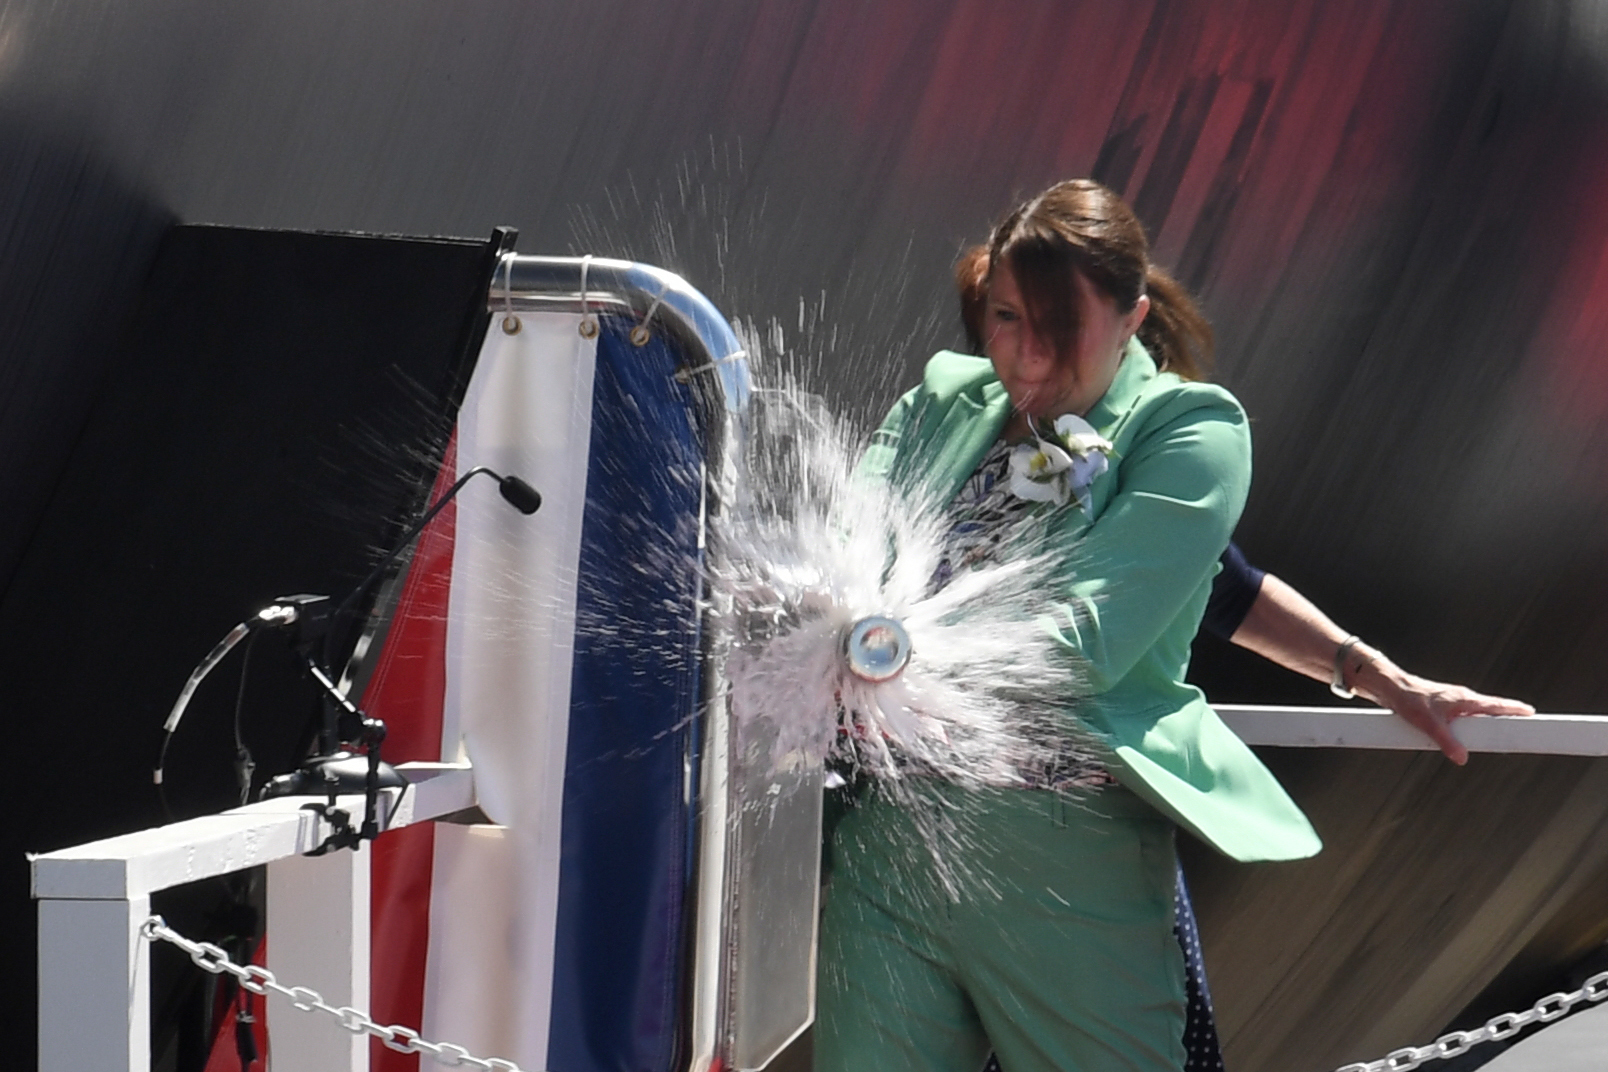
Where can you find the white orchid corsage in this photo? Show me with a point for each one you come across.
(1060, 464)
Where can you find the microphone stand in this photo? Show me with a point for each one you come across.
(524, 498)
(311, 625)
(334, 771)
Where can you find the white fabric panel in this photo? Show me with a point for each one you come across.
(510, 648)
(467, 998)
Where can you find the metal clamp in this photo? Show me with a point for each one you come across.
(588, 318)
(511, 323)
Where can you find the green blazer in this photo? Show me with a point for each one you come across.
(1129, 599)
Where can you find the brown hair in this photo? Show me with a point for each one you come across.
(971, 283)
(1081, 226)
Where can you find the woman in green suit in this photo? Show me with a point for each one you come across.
(1045, 929)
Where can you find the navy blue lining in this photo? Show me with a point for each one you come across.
(619, 969)
(1234, 590)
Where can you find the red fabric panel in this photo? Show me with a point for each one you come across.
(401, 920)
(407, 691)
(409, 683)
(224, 1056)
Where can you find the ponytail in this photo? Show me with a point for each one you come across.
(1175, 331)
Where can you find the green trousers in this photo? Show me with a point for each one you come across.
(1032, 923)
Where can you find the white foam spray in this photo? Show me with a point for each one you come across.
(809, 547)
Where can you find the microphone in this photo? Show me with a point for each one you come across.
(520, 495)
(524, 498)
(303, 614)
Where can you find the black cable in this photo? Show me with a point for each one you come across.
(338, 618)
(245, 765)
(161, 786)
(245, 1024)
(520, 495)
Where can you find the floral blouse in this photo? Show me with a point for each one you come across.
(982, 518)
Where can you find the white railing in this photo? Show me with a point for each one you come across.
(94, 965)
(94, 1005)
(1372, 727)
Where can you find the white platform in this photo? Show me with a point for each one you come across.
(1576, 1044)
(94, 966)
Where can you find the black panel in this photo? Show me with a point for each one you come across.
(79, 236)
(272, 413)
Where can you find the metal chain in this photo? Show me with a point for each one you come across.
(1496, 1028)
(210, 958)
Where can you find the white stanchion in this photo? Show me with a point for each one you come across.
(94, 966)
(318, 922)
(94, 985)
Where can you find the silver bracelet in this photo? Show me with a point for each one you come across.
(1338, 686)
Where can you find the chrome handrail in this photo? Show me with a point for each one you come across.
(660, 300)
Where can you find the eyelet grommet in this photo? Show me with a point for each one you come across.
(511, 324)
(640, 335)
(589, 328)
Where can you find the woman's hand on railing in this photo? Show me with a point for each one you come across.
(1286, 627)
(1428, 706)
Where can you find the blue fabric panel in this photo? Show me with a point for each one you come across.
(619, 971)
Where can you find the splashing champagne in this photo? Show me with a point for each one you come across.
(846, 650)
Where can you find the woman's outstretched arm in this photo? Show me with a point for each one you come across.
(1285, 626)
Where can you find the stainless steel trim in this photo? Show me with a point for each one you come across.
(701, 334)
